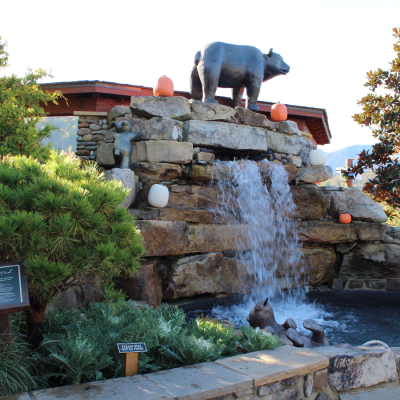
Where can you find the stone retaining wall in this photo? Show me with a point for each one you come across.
(284, 373)
(180, 142)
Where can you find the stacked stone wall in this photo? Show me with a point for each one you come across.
(190, 249)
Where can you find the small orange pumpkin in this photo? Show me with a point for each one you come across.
(345, 218)
(279, 112)
(164, 87)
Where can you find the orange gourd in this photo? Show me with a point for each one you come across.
(164, 87)
(345, 218)
(279, 112)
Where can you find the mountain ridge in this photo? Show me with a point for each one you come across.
(338, 158)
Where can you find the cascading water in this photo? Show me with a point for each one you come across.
(261, 202)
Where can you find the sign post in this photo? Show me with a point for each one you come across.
(14, 295)
(131, 351)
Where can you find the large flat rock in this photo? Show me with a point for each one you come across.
(201, 381)
(325, 231)
(283, 143)
(314, 174)
(156, 106)
(372, 261)
(137, 387)
(358, 367)
(225, 135)
(210, 273)
(357, 204)
(162, 151)
(162, 238)
(156, 128)
(269, 366)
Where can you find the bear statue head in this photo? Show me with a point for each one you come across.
(274, 66)
(261, 315)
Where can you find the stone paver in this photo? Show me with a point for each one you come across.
(201, 381)
(269, 366)
(132, 388)
(21, 396)
(378, 394)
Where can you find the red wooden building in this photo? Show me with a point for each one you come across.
(103, 96)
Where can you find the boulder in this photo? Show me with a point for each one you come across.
(289, 127)
(318, 263)
(248, 117)
(358, 367)
(207, 274)
(360, 206)
(118, 111)
(105, 154)
(282, 143)
(127, 177)
(325, 231)
(109, 135)
(225, 135)
(314, 174)
(372, 261)
(156, 172)
(211, 112)
(156, 106)
(310, 203)
(162, 151)
(156, 128)
(145, 286)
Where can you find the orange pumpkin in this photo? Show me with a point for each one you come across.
(279, 112)
(345, 218)
(164, 87)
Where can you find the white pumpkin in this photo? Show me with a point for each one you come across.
(158, 196)
(317, 157)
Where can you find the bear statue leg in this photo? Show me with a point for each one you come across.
(253, 90)
(237, 94)
(196, 89)
(209, 76)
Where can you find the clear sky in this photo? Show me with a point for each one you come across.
(329, 45)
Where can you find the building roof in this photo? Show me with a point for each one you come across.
(103, 96)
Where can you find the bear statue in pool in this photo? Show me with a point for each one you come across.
(262, 316)
(233, 66)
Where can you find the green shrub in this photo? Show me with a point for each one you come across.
(64, 220)
(256, 339)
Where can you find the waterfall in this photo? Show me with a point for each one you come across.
(262, 205)
(264, 208)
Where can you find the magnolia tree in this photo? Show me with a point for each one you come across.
(21, 111)
(64, 221)
(381, 113)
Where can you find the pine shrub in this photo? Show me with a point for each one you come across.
(64, 221)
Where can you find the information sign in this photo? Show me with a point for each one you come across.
(132, 347)
(14, 294)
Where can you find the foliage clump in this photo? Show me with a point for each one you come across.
(80, 345)
(381, 113)
(21, 101)
(64, 220)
